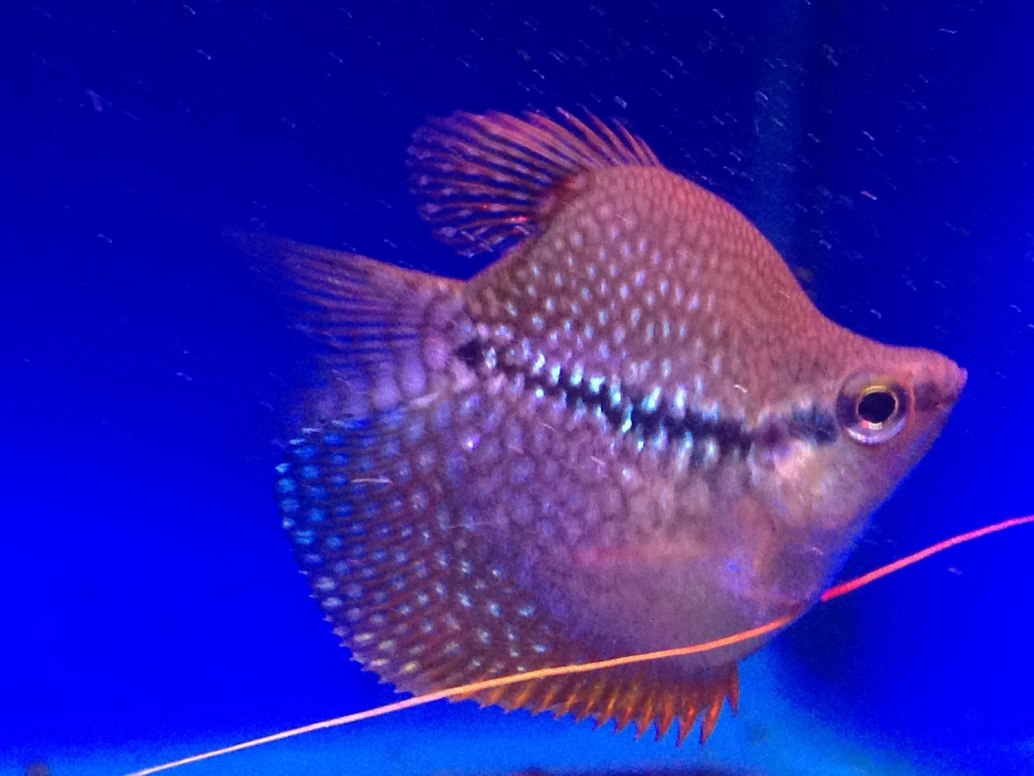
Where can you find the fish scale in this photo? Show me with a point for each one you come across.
(663, 314)
(632, 432)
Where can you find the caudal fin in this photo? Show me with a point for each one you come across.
(385, 334)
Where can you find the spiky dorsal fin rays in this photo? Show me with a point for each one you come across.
(493, 179)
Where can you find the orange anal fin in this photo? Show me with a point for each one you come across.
(624, 697)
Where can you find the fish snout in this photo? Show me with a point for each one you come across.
(939, 389)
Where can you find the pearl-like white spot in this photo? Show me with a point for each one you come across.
(716, 364)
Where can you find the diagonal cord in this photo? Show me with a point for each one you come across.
(836, 591)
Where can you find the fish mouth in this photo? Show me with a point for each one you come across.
(940, 394)
(963, 376)
(955, 391)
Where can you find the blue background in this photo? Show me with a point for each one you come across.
(150, 602)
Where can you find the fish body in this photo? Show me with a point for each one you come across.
(632, 432)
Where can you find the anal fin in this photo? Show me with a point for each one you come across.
(414, 589)
(626, 696)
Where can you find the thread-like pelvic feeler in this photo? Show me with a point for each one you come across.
(468, 689)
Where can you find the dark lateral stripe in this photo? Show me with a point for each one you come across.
(632, 413)
(813, 424)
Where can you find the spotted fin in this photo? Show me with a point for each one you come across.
(483, 180)
(406, 575)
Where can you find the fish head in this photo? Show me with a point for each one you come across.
(883, 406)
(862, 415)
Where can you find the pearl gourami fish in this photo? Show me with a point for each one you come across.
(632, 432)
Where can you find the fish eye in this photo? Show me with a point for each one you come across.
(872, 409)
(876, 406)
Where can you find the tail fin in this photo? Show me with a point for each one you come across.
(386, 334)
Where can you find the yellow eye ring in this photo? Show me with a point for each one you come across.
(873, 409)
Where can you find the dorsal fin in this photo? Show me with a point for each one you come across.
(483, 180)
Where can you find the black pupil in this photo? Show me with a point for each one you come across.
(877, 407)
